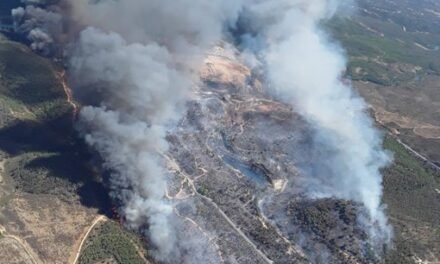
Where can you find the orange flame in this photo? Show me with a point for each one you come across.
(69, 93)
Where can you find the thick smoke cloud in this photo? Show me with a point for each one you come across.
(305, 69)
(175, 24)
(128, 129)
(138, 60)
(138, 57)
(39, 25)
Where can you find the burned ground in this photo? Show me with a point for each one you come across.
(234, 161)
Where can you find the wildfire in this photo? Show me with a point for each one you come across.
(69, 94)
(116, 216)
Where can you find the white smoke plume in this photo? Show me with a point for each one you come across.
(137, 57)
(128, 129)
(137, 60)
(305, 69)
(40, 39)
(38, 2)
(38, 24)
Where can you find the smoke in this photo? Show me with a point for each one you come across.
(128, 129)
(135, 62)
(39, 25)
(39, 2)
(40, 39)
(305, 68)
(138, 59)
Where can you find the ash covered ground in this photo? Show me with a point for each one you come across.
(235, 162)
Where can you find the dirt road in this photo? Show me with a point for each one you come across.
(29, 251)
(418, 155)
(76, 252)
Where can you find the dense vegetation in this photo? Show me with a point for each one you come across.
(410, 185)
(385, 50)
(413, 204)
(29, 84)
(110, 241)
(43, 151)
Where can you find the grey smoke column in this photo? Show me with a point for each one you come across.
(305, 69)
(140, 94)
(40, 25)
(137, 57)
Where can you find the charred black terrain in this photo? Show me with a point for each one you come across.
(235, 161)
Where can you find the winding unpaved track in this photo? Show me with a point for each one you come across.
(417, 154)
(236, 228)
(78, 247)
(174, 166)
(29, 251)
